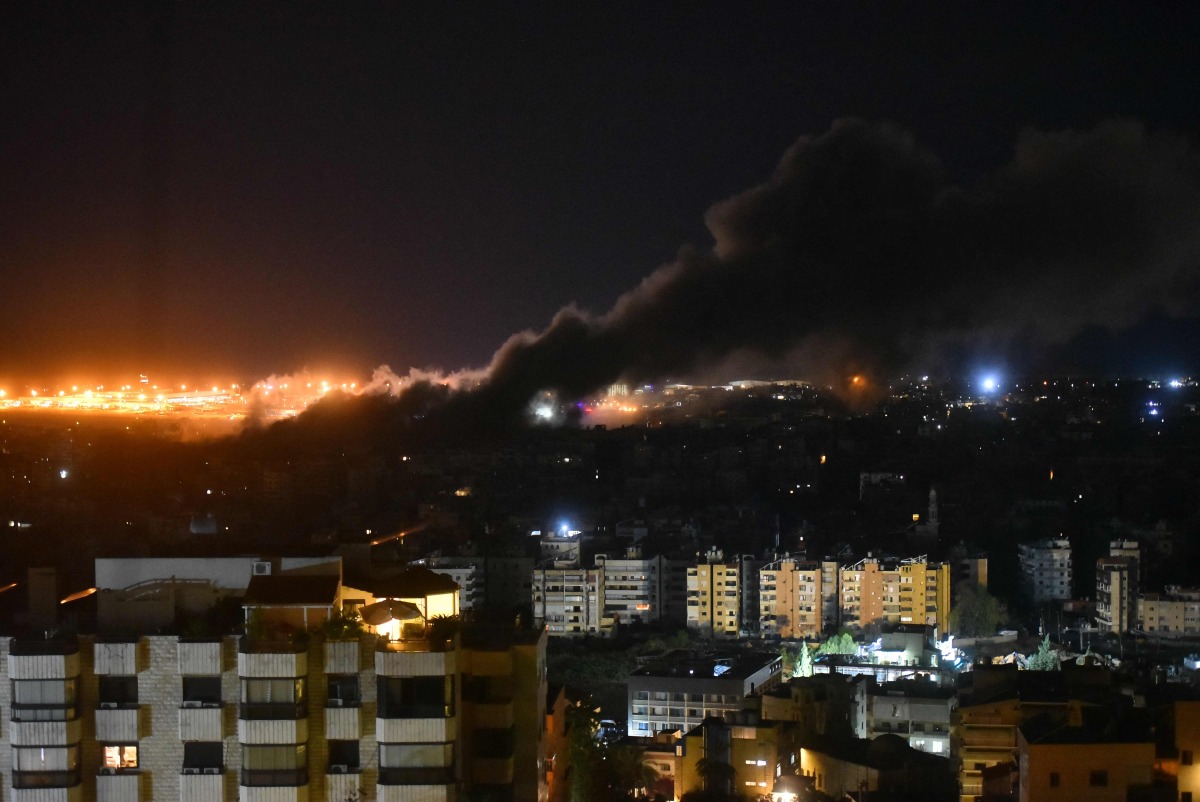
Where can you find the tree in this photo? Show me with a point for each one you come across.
(1045, 659)
(716, 775)
(805, 666)
(600, 771)
(842, 643)
(976, 614)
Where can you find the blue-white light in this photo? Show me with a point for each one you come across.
(989, 384)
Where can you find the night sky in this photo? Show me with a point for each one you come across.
(206, 191)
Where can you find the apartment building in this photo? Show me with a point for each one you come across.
(919, 712)
(683, 688)
(793, 598)
(570, 599)
(304, 706)
(909, 591)
(1046, 570)
(714, 589)
(1116, 593)
(1174, 613)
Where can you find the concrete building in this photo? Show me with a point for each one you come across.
(910, 591)
(919, 712)
(570, 600)
(1080, 760)
(757, 752)
(1174, 613)
(682, 689)
(1116, 593)
(1046, 570)
(633, 587)
(715, 597)
(303, 707)
(792, 598)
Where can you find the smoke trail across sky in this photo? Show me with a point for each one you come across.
(860, 252)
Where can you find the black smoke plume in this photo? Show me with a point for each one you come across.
(859, 253)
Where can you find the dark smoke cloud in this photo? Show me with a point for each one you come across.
(859, 253)
(859, 247)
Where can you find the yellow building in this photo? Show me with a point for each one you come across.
(1182, 761)
(1072, 762)
(911, 591)
(742, 758)
(714, 597)
(1172, 614)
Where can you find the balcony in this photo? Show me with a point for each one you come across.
(43, 659)
(45, 733)
(414, 659)
(342, 657)
(433, 729)
(200, 722)
(273, 730)
(118, 787)
(201, 657)
(115, 657)
(342, 783)
(117, 724)
(202, 785)
(343, 723)
(493, 715)
(271, 659)
(47, 786)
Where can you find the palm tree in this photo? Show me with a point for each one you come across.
(716, 775)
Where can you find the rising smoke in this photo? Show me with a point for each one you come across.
(859, 253)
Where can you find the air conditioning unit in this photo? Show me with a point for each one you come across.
(192, 703)
(212, 770)
(190, 770)
(335, 703)
(262, 568)
(108, 705)
(108, 772)
(338, 769)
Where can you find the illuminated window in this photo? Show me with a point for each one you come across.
(120, 756)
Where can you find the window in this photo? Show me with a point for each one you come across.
(343, 690)
(274, 698)
(120, 691)
(45, 767)
(344, 753)
(416, 764)
(44, 700)
(1098, 779)
(203, 755)
(275, 765)
(1185, 757)
(205, 691)
(119, 756)
(416, 697)
(1054, 779)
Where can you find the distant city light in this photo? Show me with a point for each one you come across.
(545, 413)
(62, 474)
(989, 384)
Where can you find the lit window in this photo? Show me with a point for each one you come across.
(123, 756)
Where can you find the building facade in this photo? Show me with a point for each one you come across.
(1046, 570)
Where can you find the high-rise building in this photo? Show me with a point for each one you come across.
(1116, 593)
(909, 591)
(305, 706)
(1046, 570)
(792, 598)
(714, 596)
